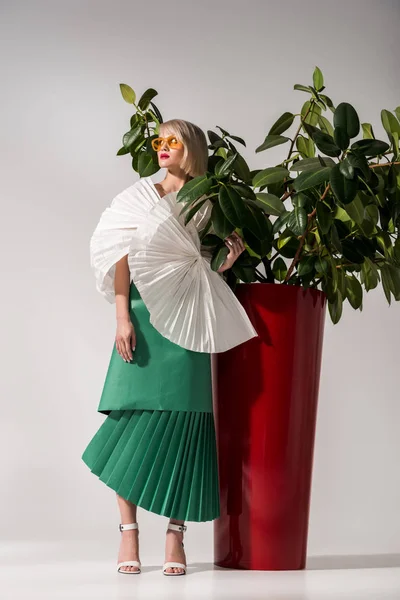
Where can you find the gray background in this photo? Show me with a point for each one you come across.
(223, 63)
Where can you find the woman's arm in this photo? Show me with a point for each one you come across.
(125, 338)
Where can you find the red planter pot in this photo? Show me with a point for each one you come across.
(265, 407)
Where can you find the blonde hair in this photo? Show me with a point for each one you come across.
(195, 153)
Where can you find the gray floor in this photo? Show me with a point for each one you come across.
(70, 570)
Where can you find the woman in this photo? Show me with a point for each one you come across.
(156, 448)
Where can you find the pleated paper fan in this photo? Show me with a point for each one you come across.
(117, 226)
(189, 303)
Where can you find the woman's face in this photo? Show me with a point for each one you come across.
(170, 152)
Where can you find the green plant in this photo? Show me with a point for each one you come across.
(341, 231)
(144, 126)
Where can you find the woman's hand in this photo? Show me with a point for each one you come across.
(125, 339)
(236, 245)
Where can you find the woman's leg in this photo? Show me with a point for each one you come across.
(129, 548)
(174, 551)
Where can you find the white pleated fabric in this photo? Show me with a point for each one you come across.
(189, 303)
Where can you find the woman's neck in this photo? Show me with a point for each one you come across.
(173, 183)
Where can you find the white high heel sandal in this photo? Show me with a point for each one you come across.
(129, 563)
(172, 563)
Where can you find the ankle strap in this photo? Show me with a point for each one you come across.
(128, 526)
(177, 527)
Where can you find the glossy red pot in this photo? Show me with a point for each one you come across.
(265, 407)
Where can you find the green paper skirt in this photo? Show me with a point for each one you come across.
(161, 459)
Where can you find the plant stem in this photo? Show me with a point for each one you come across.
(261, 277)
(299, 128)
(374, 166)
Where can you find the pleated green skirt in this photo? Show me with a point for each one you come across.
(164, 461)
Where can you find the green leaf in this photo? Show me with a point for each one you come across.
(310, 164)
(305, 146)
(318, 79)
(282, 124)
(309, 179)
(327, 101)
(321, 265)
(272, 140)
(261, 247)
(386, 283)
(279, 269)
(157, 113)
(122, 151)
(355, 209)
(280, 222)
(135, 120)
(270, 175)
(341, 214)
(258, 223)
(370, 147)
(287, 244)
(127, 93)
(335, 238)
(302, 88)
(223, 131)
(233, 137)
(232, 206)
(369, 275)
(194, 188)
(244, 190)
(325, 125)
(393, 274)
(216, 140)
(312, 111)
(351, 252)
(384, 241)
(335, 308)
(146, 165)
(341, 138)
(224, 167)
(396, 249)
(325, 143)
(365, 246)
(146, 98)
(359, 162)
(138, 143)
(306, 265)
(221, 225)
(241, 168)
(345, 117)
(346, 168)
(297, 221)
(389, 122)
(193, 210)
(324, 216)
(354, 291)
(131, 136)
(371, 213)
(238, 139)
(244, 270)
(367, 131)
(270, 204)
(344, 189)
(219, 257)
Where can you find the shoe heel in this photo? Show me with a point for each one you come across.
(166, 565)
(129, 563)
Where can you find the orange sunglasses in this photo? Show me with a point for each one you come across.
(171, 140)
